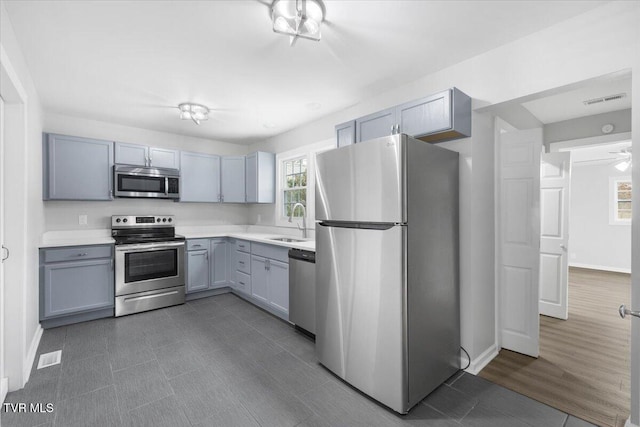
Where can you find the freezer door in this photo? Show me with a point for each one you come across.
(362, 182)
(361, 317)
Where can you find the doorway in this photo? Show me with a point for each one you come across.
(582, 364)
(4, 386)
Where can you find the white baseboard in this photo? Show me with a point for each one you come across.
(4, 389)
(31, 355)
(600, 267)
(483, 360)
(628, 423)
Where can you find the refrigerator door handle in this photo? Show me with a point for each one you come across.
(362, 225)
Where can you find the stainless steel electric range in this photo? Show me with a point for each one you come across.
(149, 263)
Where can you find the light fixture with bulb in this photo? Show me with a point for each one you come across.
(624, 163)
(195, 112)
(298, 18)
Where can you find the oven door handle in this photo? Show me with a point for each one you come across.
(148, 246)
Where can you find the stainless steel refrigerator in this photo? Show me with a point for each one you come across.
(387, 292)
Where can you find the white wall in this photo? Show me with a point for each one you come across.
(23, 209)
(593, 241)
(63, 215)
(594, 44)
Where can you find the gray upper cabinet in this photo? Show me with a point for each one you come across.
(164, 158)
(439, 117)
(131, 154)
(142, 155)
(199, 177)
(376, 125)
(346, 133)
(76, 281)
(233, 179)
(77, 168)
(260, 176)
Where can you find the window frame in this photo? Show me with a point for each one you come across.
(310, 152)
(284, 188)
(613, 200)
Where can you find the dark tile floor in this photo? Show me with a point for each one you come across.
(220, 361)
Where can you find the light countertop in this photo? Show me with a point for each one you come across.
(53, 239)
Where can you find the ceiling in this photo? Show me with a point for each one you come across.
(569, 105)
(598, 153)
(133, 62)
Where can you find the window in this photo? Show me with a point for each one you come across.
(621, 200)
(294, 185)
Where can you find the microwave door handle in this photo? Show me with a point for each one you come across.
(166, 185)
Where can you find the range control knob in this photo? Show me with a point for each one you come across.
(118, 220)
(125, 220)
(170, 219)
(157, 219)
(164, 219)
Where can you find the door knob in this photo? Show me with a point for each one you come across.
(4, 248)
(563, 247)
(624, 311)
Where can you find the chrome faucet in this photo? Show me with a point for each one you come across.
(304, 219)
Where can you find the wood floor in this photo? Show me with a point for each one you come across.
(583, 368)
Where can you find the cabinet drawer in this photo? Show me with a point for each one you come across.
(270, 251)
(243, 246)
(77, 253)
(243, 261)
(197, 244)
(243, 282)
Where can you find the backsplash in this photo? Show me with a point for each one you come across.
(63, 215)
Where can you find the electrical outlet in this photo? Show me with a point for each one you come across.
(82, 219)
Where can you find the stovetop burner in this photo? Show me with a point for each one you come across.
(128, 229)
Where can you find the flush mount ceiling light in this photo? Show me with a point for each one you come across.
(195, 112)
(298, 18)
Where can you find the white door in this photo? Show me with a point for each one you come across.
(519, 239)
(555, 181)
(3, 255)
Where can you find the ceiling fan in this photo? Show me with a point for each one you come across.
(624, 159)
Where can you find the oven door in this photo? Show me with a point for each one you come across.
(149, 266)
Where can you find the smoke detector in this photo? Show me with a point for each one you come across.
(607, 98)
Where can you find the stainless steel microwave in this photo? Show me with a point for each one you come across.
(142, 182)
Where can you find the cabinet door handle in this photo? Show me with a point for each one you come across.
(242, 283)
(4, 258)
(150, 161)
(112, 264)
(197, 246)
(393, 129)
(241, 262)
(83, 254)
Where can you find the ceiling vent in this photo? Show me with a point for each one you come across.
(604, 99)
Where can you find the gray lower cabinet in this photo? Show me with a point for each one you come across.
(260, 177)
(218, 263)
(76, 284)
(77, 168)
(206, 264)
(270, 277)
(199, 177)
(197, 270)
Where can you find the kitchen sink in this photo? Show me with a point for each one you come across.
(286, 239)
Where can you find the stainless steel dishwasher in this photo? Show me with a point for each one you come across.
(302, 290)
